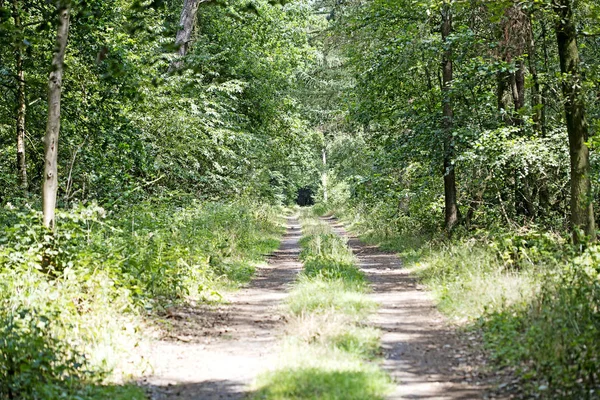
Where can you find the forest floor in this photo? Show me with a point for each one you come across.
(215, 352)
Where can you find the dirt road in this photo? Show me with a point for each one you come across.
(425, 356)
(214, 352)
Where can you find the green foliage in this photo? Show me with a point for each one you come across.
(36, 364)
(105, 270)
(329, 268)
(528, 247)
(535, 299)
(173, 252)
(512, 165)
(360, 341)
(161, 157)
(131, 126)
(325, 295)
(554, 338)
(327, 258)
(317, 383)
(153, 165)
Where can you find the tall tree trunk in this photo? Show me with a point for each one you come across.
(536, 92)
(582, 213)
(324, 175)
(50, 181)
(21, 105)
(450, 196)
(184, 34)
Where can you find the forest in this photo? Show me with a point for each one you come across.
(299, 199)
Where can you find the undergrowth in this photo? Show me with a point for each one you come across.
(72, 327)
(330, 352)
(535, 299)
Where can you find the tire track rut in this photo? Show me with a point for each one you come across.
(426, 357)
(215, 352)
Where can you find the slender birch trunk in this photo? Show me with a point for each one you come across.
(50, 181)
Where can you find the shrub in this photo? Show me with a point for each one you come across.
(556, 338)
(34, 363)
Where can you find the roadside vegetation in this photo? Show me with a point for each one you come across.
(146, 147)
(69, 328)
(330, 351)
(531, 294)
(466, 141)
(171, 137)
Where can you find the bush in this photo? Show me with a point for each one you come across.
(34, 364)
(556, 338)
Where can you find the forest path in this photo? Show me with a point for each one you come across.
(425, 356)
(214, 352)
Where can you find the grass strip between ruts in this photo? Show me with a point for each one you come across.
(329, 353)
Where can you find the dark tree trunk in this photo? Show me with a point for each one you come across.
(21, 105)
(582, 213)
(50, 181)
(450, 195)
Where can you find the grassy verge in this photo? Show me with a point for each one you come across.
(330, 352)
(535, 300)
(73, 328)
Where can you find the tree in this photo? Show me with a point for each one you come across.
(21, 106)
(187, 21)
(450, 200)
(50, 181)
(582, 211)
